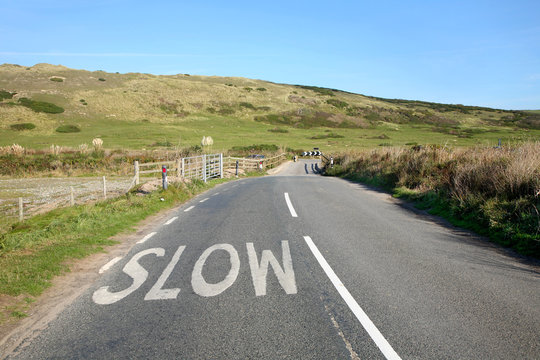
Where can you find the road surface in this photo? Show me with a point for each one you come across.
(300, 266)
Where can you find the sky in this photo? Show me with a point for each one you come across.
(484, 53)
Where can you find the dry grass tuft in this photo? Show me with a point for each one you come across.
(495, 191)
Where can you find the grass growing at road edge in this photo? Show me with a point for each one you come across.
(36, 250)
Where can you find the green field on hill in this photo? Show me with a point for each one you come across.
(47, 104)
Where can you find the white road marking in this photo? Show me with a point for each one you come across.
(215, 194)
(200, 286)
(109, 265)
(189, 208)
(372, 330)
(146, 238)
(289, 204)
(285, 276)
(103, 296)
(203, 200)
(170, 221)
(156, 292)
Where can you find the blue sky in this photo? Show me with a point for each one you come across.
(468, 52)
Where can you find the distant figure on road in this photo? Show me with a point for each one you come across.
(295, 158)
(331, 162)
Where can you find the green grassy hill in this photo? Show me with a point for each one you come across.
(136, 111)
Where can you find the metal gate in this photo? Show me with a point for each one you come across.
(203, 167)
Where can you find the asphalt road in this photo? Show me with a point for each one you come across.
(234, 274)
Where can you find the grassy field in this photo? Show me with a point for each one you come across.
(142, 111)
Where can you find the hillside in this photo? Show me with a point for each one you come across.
(147, 111)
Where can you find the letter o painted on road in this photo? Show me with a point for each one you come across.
(200, 286)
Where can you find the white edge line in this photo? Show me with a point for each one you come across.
(189, 208)
(146, 238)
(171, 220)
(108, 265)
(372, 330)
(289, 204)
(203, 200)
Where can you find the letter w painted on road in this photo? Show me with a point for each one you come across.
(284, 275)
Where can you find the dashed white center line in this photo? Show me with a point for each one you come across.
(189, 208)
(215, 194)
(372, 330)
(203, 200)
(146, 238)
(289, 204)
(108, 265)
(171, 220)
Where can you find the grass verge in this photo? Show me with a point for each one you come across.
(33, 252)
(492, 191)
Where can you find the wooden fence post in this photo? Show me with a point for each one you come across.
(178, 168)
(221, 165)
(104, 188)
(21, 214)
(71, 197)
(183, 168)
(204, 167)
(136, 165)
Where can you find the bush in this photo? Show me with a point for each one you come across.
(22, 126)
(319, 90)
(56, 79)
(68, 129)
(226, 111)
(41, 106)
(247, 105)
(101, 79)
(248, 89)
(337, 103)
(261, 89)
(6, 95)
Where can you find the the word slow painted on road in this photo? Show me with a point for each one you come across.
(259, 272)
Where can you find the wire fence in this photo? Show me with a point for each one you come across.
(26, 197)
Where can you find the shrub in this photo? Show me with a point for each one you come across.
(248, 89)
(41, 106)
(22, 126)
(261, 89)
(68, 129)
(56, 79)
(101, 79)
(6, 95)
(264, 108)
(226, 111)
(337, 103)
(259, 147)
(318, 90)
(247, 105)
